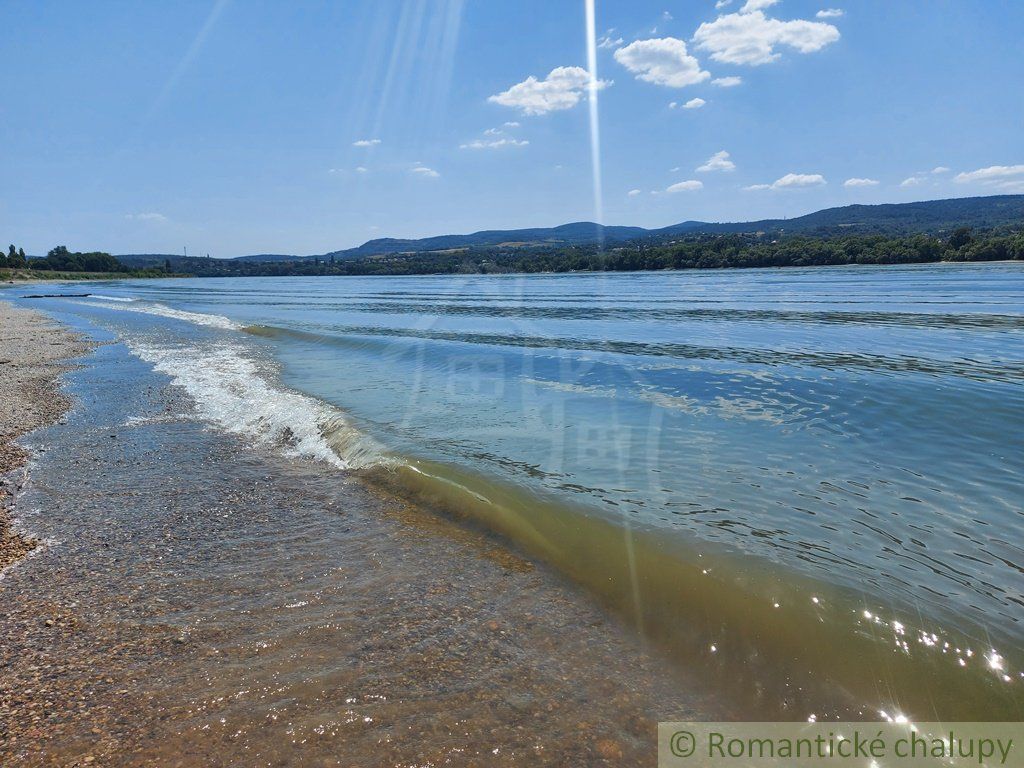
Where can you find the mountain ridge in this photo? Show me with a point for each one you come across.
(926, 217)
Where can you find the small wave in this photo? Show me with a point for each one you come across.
(230, 391)
(111, 298)
(199, 318)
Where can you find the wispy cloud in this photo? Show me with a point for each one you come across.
(633, 192)
(662, 61)
(151, 217)
(563, 88)
(506, 141)
(727, 82)
(940, 169)
(496, 138)
(830, 13)
(366, 143)
(424, 172)
(911, 181)
(993, 174)
(791, 181)
(860, 183)
(717, 162)
(691, 185)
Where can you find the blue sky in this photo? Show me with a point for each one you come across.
(236, 127)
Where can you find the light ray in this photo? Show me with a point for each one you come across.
(595, 129)
(188, 58)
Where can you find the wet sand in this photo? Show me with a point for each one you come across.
(202, 602)
(32, 354)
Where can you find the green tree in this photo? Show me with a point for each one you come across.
(960, 238)
(16, 258)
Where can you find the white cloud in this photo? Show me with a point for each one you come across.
(673, 104)
(791, 181)
(830, 13)
(694, 104)
(717, 162)
(722, 4)
(666, 16)
(497, 139)
(662, 61)
(940, 169)
(609, 42)
(750, 38)
(727, 82)
(366, 143)
(361, 169)
(505, 141)
(674, 170)
(633, 192)
(151, 217)
(994, 174)
(757, 5)
(911, 181)
(561, 89)
(423, 171)
(692, 185)
(860, 183)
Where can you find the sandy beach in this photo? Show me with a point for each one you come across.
(33, 351)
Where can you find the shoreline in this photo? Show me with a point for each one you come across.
(33, 355)
(265, 609)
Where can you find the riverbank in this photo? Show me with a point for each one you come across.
(33, 351)
(201, 600)
(36, 275)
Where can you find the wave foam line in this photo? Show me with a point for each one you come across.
(229, 390)
(161, 310)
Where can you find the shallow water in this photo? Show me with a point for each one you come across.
(213, 603)
(805, 481)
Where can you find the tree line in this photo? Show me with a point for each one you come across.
(60, 259)
(694, 252)
(699, 251)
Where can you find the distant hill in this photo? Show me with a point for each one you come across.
(933, 217)
(566, 234)
(929, 217)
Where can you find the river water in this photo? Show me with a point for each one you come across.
(804, 482)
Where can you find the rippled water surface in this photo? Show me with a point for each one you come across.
(806, 476)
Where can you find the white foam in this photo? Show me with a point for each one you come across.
(199, 318)
(230, 391)
(110, 298)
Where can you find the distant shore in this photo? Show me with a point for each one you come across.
(32, 355)
(11, 276)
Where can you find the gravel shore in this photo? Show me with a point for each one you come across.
(33, 351)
